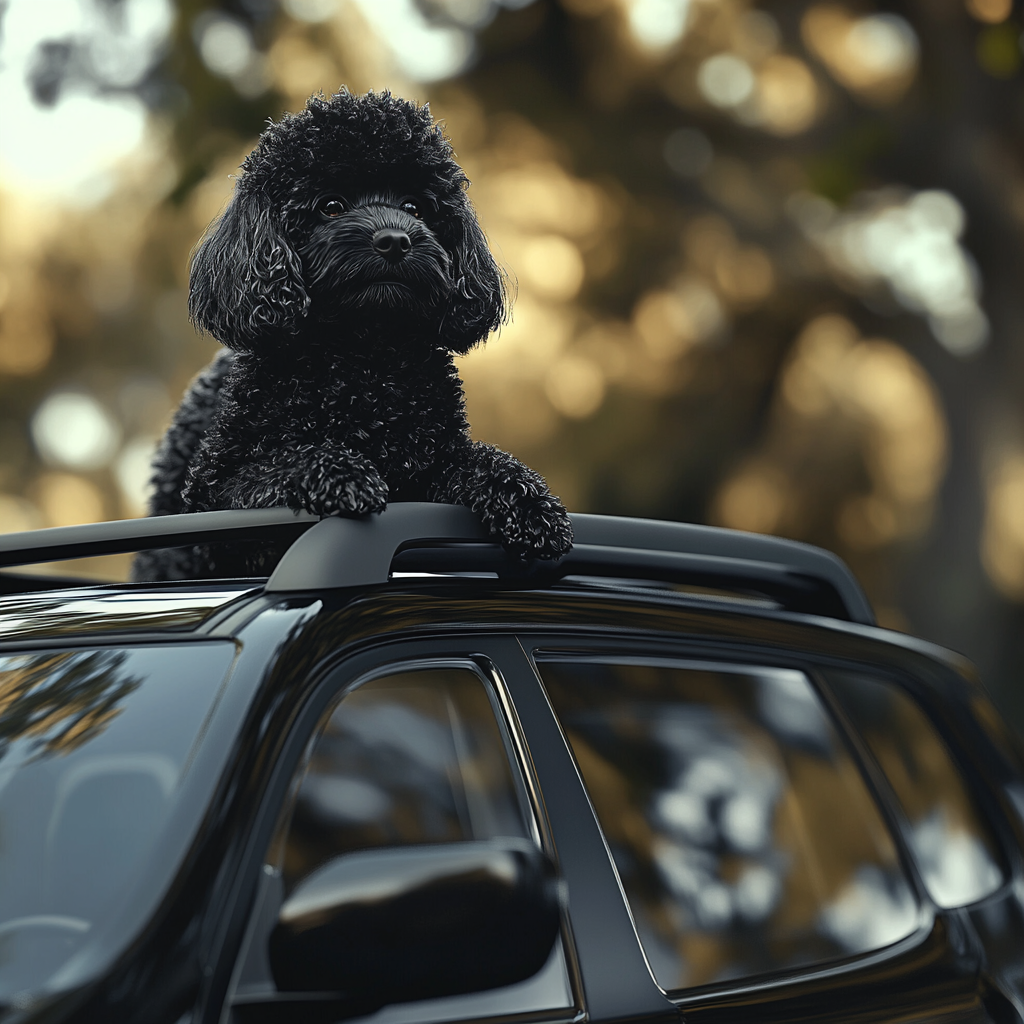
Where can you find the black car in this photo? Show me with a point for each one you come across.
(680, 773)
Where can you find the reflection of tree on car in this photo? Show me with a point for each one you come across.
(958, 856)
(60, 701)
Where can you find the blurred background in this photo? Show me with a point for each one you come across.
(769, 257)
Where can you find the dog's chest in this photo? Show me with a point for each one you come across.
(397, 419)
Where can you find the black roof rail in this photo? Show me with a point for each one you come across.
(360, 552)
(121, 535)
(342, 552)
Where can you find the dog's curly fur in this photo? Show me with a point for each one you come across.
(344, 274)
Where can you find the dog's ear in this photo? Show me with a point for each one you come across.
(479, 299)
(245, 281)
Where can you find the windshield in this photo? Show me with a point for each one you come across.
(95, 746)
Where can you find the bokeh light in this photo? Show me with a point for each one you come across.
(658, 24)
(422, 50)
(312, 11)
(875, 56)
(787, 96)
(65, 499)
(991, 11)
(838, 387)
(912, 244)
(72, 429)
(726, 80)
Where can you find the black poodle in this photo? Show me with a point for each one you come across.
(346, 271)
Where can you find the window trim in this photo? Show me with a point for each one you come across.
(508, 717)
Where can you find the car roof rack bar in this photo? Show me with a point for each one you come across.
(362, 552)
(346, 552)
(779, 583)
(123, 535)
(803, 577)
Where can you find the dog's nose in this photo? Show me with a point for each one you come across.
(392, 243)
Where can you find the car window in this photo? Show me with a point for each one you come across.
(411, 758)
(955, 851)
(405, 759)
(94, 747)
(743, 832)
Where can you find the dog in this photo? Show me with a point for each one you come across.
(346, 272)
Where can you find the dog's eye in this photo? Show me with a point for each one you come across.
(331, 207)
(410, 208)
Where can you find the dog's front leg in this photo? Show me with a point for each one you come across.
(324, 481)
(512, 500)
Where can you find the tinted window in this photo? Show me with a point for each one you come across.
(744, 835)
(94, 745)
(412, 758)
(407, 759)
(954, 850)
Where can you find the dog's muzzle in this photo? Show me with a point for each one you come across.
(376, 257)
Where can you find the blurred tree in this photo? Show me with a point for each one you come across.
(766, 259)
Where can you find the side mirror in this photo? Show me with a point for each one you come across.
(393, 925)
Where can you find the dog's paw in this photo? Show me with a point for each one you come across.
(536, 528)
(355, 493)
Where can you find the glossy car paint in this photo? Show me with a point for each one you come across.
(961, 965)
(96, 611)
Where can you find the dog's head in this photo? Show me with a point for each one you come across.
(353, 210)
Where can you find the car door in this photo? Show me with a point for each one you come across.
(767, 872)
(419, 745)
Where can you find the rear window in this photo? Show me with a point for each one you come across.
(743, 832)
(95, 746)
